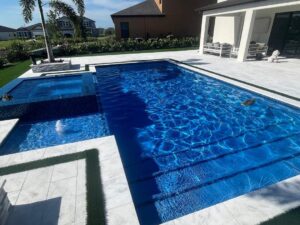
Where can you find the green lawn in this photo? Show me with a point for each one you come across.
(11, 72)
(291, 217)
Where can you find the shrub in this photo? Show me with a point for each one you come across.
(2, 62)
(17, 52)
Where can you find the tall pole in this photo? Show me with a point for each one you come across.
(47, 42)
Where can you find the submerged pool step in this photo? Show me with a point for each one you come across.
(193, 177)
(190, 158)
(222, 190)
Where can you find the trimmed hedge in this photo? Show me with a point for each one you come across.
(2, 62)
(111, 45)
(19, 50)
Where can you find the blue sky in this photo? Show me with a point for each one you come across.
(98, 10)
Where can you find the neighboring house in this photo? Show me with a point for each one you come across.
(65, 25)
(7, 33)
(23, 33)
(275, 23)
(67, 28)
(159, 18)
(32, 31)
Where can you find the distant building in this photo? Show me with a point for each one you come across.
(65, 25)
(101, 31)
(159, 18)
(67, 28)
(32, 31)
(7, 33)
(23, 33)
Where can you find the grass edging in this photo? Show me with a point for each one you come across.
(94, 192)
(9, 73)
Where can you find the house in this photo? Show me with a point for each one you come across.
(159, 18)
(65, 25)
(7, 33)
(275, 23)
(23, 33)
(32, 31)
(67, 28)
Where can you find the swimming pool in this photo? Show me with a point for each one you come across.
(188, 142)
(52, 111)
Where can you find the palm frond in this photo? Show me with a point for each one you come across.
(80, 6)
(28, 8)
(68, 11)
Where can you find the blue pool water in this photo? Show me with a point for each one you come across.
(48, 87)
(30, 135)
(52, 111)
(187, 142)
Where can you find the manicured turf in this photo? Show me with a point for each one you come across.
(95, 199)
(291, 217)
(11, 72)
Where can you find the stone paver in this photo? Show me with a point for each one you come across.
(47, 195)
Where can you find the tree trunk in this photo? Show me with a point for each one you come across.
(47, 42)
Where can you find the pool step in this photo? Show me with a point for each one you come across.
(194, 157)
(206, 173)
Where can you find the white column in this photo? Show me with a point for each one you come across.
(246, 35)
(204, 30)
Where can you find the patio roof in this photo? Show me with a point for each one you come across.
(228, 3)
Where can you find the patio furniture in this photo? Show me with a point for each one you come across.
(217, 48)
(256, 50)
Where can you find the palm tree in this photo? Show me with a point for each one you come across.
(28, 7)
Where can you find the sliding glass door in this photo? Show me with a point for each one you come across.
(285, 35)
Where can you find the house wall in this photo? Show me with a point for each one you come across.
(264, 22)
(228, 29)
(180, 19)
(7, 36)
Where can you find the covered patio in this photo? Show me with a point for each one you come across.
(250, 28)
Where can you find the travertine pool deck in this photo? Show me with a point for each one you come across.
(249, 209)
(61, 189)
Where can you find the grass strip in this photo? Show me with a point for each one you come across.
(94, 193)
(42, 163)
(11, 72)
(291, 217)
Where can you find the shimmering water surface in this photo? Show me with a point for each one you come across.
(51, 87)
(187, 142)
(31, 134)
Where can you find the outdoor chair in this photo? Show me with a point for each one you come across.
(256, 50)
(217, 48)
